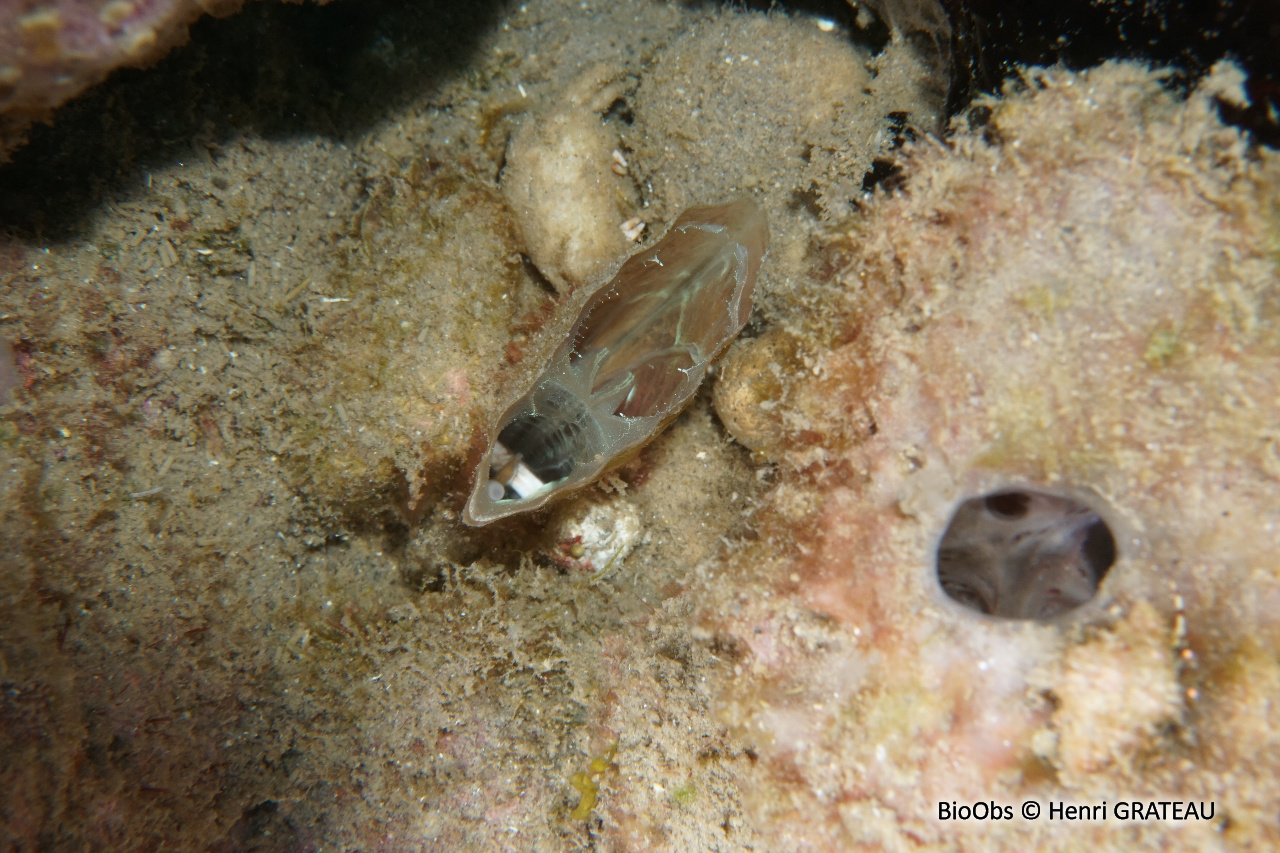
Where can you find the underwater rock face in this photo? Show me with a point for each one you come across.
(405, 369)
(1076, 294)
(235, 381)
(251, 391)
(742, 83)
(775, 106)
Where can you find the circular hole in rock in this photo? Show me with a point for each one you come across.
(1024, 554)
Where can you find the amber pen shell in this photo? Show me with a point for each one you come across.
(546, 344)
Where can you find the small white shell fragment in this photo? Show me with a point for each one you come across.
(633, 228)
(601, 536)
(619, 163)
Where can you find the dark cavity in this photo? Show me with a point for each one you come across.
(1024, 554)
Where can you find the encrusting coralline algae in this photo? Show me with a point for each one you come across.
(1080, 295)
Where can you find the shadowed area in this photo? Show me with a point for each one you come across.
(1024, 554)
(273, 70)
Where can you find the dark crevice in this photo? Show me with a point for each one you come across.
(993, 38)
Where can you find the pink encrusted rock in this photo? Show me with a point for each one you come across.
(1078, 296)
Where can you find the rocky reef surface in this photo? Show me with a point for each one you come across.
(1077, 293)
(249, 372)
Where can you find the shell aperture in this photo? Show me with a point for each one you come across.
(635, 357)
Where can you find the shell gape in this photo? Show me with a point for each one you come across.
(550, 434)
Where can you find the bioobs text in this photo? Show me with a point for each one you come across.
(976, 811)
